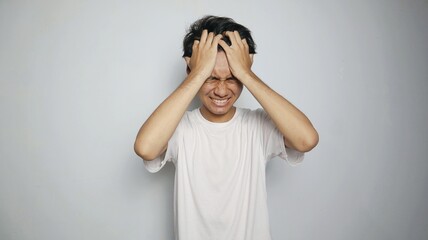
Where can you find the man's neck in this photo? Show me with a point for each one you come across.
(217, 118)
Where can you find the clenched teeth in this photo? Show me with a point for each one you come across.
(220, 101)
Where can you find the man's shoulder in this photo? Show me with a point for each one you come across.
(253, 117)
(191, 118)
(252, 113)
(191, 115)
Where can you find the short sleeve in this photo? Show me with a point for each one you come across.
(293, 157)
(157, 164)
(170, 155)
(274, 144)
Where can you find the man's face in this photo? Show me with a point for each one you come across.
(219, 92)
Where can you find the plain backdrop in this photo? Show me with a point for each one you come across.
(78, 78)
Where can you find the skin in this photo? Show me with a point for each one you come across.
(219, 92)
(215, 77)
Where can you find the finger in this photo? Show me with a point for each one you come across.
(224, 45)
(238, 38)
(209, 39)
(216, 40)
(232, 38)
(244, 42)
(204, 36)
(195, 44)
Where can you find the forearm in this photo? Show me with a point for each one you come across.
(153, 136)
(296, 128)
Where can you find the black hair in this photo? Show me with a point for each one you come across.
(217, 25)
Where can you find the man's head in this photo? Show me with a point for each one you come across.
(220, 91)
(217, 25)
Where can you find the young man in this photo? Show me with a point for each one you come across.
(220, 151)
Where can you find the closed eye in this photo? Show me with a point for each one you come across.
(215, 79)
(211, 79)
(232, 80)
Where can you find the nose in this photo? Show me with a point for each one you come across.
(221, 89)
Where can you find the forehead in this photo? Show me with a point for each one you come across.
(221, 67)
(221, 58)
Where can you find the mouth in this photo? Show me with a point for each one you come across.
(220, 102)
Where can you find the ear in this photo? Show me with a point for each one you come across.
(187, 60)
(252, 57)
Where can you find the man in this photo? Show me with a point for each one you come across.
(220, 151)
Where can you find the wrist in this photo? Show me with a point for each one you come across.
(246, 76)
(197, 76)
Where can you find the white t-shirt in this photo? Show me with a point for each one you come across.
(220, 190)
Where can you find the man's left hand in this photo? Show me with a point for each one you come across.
(238, 56)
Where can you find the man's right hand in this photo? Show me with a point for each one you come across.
(204, 54)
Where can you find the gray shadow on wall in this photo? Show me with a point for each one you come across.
(159, 187)
(155, 188)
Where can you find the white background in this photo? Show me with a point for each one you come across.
(78, 78)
